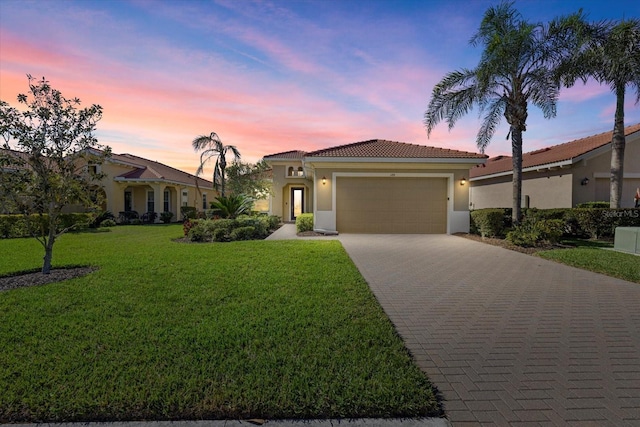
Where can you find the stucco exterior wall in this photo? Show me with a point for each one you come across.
(545, 190)
(283, 183)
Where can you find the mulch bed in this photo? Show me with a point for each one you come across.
(506, 244)
(37, 278)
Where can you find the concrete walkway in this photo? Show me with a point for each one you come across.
(506, 337)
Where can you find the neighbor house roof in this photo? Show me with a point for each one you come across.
(556, 155)
(144, 169)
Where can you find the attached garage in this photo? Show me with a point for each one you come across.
(398, 205)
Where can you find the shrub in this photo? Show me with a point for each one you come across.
(224, 230)
(100, 217)
(260, 225)
(304, 222)
(125, 217)
(273, 222)
(15, 226)
(594, 205)
(201, 231)
(232, 206)
(188, 212)
(187, 224)
(136, 221)
(491, 222)
(221, 235)
(107, 223)
(212, 213)
(534, 233)
(243, 233)
(166, 217)
(149, 217)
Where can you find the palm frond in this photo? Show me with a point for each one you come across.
(494, 112)
(451, 98)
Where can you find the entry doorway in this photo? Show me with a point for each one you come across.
(297, 202)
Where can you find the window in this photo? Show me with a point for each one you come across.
(93, 170)
(167, 199)
(295, 171)
(128, 200)
(150, 201)
(204, 201)
(185, 197)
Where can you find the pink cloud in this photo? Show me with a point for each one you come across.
(580, 92)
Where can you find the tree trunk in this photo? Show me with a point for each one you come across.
(48, 250)
(617, 151)
(516, 153)
(222, 172)
(223, 168)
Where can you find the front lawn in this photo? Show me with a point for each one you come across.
(166, 330)
(594, 256)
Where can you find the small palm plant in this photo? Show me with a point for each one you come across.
(212, 147)
(232, 206)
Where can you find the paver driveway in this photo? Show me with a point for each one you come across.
(507, 337)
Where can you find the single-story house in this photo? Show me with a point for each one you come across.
(375, 186)
(560, 176)
(134, 183)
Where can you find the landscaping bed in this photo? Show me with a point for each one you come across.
(167, 331)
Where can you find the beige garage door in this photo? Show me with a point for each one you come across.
(391, 205)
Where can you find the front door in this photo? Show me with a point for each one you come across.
(297, 202)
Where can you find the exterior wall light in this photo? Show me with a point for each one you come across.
(463, 181)
(584, 181)
(324, 180)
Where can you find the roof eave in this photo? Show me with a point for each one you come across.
(168, 181)
(535, 168)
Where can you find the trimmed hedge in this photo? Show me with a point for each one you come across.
(304, 222)
(491, 222)
(15, 226)
(577, 222)
(226, 230)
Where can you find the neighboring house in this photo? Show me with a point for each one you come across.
(560, 176)
(134, 183)
(375, 186)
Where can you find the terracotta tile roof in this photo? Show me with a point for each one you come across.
(549, 155)
(293, 154)
(150, 170)
(393, 149)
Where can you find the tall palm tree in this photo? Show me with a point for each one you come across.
(211, 147)
(612, 57)
(516, 68)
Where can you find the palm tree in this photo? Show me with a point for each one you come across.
(516, 68)
(212, 146)
(612, 57)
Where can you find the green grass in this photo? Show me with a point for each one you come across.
(594, 256)
(166, 330)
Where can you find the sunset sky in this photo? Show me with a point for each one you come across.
(272, 76)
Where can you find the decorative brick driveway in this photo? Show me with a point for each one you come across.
(509, 338)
